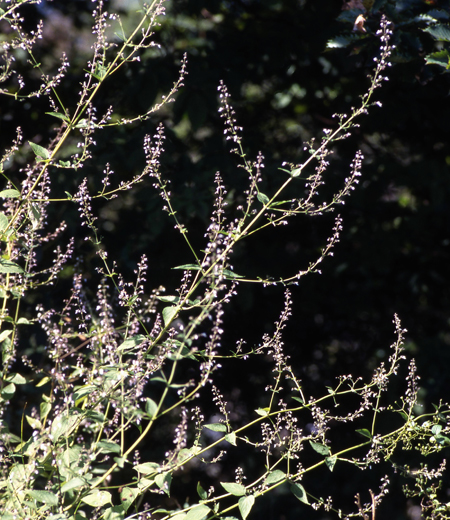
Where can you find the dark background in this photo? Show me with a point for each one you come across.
(285, 84)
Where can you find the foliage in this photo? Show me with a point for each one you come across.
(120, 394)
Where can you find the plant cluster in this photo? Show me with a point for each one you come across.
(123, 368)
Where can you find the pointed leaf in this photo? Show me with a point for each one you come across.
(201, 492)
(163, 481)
(10, 267)
(364, 432)
(3, 221)
(10, 194)
(198, 512)
(230, 274)
(275, 476)
(34, 215)
(39, 151)
(245, 505)
(132, 342)
(296, 172)
(439, 32)
(231, 438)
(59, 116)
(188, 267)
(238, 490)
(320, 448)
(45, 497)
(264, 199)
(216, 427)
(108, 447)
(147, 467)
(299, 492)
(150, 407)
(330, 462)
(74, 483)
(168, 313)
(97, 498)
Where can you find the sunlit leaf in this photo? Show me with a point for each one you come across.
(168, 313)
(238, 490)
(6, 266)
(45, 497)
(39, 151)
(275, 476)
(97, 498)
(198, 512)
(245, 505)
(216, 427)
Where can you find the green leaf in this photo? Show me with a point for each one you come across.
(147, 467)
(201, 492)
(34, 423)
(39, 151)
(132, 342)
(108, 447)
(330, 462)
(364, 432)
(43, 381)
(187, 453)
(45, 497)
(441, 58)
(442, 440)
(3, 221)
(10, 267)
(216, 427)
(274, 476)
(198, 512)
(230, 274)
(10, 194)
(262, 411)
(44, 410)
(8, 391)
(320, 448)
(299, 492)
(436, 429)
(23, 321)
(59, 116)
(20, 380)
(63, 425)
(188, 267)
(150, 407)
(299, 399)
(296, 172)
(74, 483)
(82, 392)
(168, 313)
(97, 498)
(128, 496)
(439, 32)
(231, 438)
(264, 199)
(163, 481)
(245, 505)
(340, 42)
(4, 334)
(238, 490)
(34, 215)
(169, 299)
